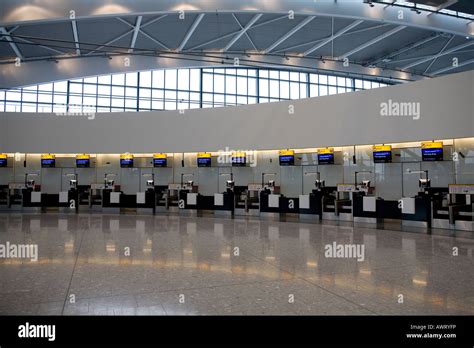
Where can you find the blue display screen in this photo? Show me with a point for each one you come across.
(3, 162)
(287, 160)
(83, 163)
(239, 161)
(48, 163)
(126, 163)
(432, 154)
(204, 162)
(327, 158)
(383, 157)
(160, 162)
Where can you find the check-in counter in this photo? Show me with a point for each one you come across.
(364, 208)
(339, 206)
(224, 203)
(416, 211)
(247, 200)
(456, 211)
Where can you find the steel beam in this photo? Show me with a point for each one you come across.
(293, 31)
(136, 30)
(373, 41)
(242, 31)
(451, 50)
(332, 37)
(13, 45)
(190, 32)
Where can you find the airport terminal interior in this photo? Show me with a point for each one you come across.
(236, 157)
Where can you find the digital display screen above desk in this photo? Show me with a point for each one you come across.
(3, 162)
(83, 163)
(326, 158)
(287, 160)
(204, 161)
(126, 163)
(239, 161)
(48, 163)
(382, 156)
(435, 154)
(160, 162)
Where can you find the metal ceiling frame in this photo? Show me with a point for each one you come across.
(243, 31)
(13, 45)
(290, 33)
(190, 32)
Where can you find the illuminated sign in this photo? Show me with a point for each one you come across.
(3, 160)
(126, 161)
(160, 160)
(83, 161)
(204, 159)
(239, 159)
(382, 153)
(326, 156)
(432, 151)
(287, 157)
(48, 161)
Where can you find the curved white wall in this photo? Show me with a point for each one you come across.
(446, 112)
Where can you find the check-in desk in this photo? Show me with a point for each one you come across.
(247, 200)
(456, 210)
(145, 202)
(311, 206)
(95, 197)
(32, 199)
(364, 208)
(187, 199)
(112, 200)
(3, 197)
(416, 211)
(271, 202)
(339, 205)
(224, 203)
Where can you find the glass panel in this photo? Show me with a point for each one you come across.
(230, 84)
(158, 79)
(105, 79)
(171, 79)
(183, 79)
(145, 79)
(242, 85)
(219, 83)
(118, 79)
(195, 80)
(131, 79)
(207, 82)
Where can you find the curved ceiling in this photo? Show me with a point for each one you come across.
(356, 37)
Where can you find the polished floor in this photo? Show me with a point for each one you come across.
(172, 265)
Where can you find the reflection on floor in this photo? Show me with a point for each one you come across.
(171, 265)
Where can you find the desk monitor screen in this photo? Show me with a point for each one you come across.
(126, 163)
(432, 154)
(160, 162)
(83, 162)
(204, 159)
(239, 160)
(3, 160)
(326, 158)
(383, 157)
(287, 157)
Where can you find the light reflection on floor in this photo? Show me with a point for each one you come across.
(144, 265)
